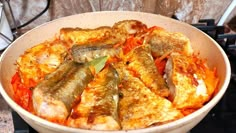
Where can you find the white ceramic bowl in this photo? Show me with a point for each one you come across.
(200, 42)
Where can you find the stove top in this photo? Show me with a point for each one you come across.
(222, 118)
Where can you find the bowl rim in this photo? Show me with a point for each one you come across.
(173, 124)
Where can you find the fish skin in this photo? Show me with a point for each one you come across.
(52, 98)
(142, 63)
(139, 107)
(188, 89)
(125, 28)
(99, 103)
(85, 53)
(163, 41)
(82, 36)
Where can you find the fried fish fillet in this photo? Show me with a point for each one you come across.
(41, 60)
(85, 36)
(85, 53)
(103, 35)
(141, 62)
(53, 97)
(139, 107)
(186, 77)
(98, 107)
(163, 41)
(125, 28)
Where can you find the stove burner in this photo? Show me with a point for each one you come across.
(222, 118)
(218, 33)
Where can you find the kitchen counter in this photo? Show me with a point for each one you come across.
(6, 121)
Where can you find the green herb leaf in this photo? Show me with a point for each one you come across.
(98, 63)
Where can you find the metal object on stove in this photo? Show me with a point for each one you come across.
(226, 41)
(226, 13)
(6, 36)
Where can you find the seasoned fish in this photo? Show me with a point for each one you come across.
(162, 42)
(139, 107)
(85, 53)
(83, 36)
(129, 27)
(98, 107)
(141, 62)
(41, 60)
(53, 97)
(186, 76)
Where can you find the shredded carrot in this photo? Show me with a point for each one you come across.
(155, 28)
(22, 94)
(187, 111)
(161, 62)
(131, 42)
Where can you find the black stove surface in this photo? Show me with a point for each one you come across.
(222, 118)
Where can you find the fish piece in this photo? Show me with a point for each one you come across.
(53, 97)
(129, 27)
(83, 36)
(41, 60)
(139, 107)
(98, 107)
(186, 76)
(123, 29)
(141, 62)
(162, 42)
(87, 52)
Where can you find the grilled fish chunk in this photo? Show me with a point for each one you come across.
(53, 97)
(186, 80)
(141, 108)
(41, 60)
(98, 107)
(162, 42)
(125, 28)
(85, 53)
(82, 36)
(141, 62)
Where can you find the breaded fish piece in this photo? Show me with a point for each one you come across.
(41, 60)
(85, 53)
(162, 42)
(98, 108)
(139, 107)
(140, 61)
(85, 36)
(186, 77)
(53, 97)
(129, 27)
